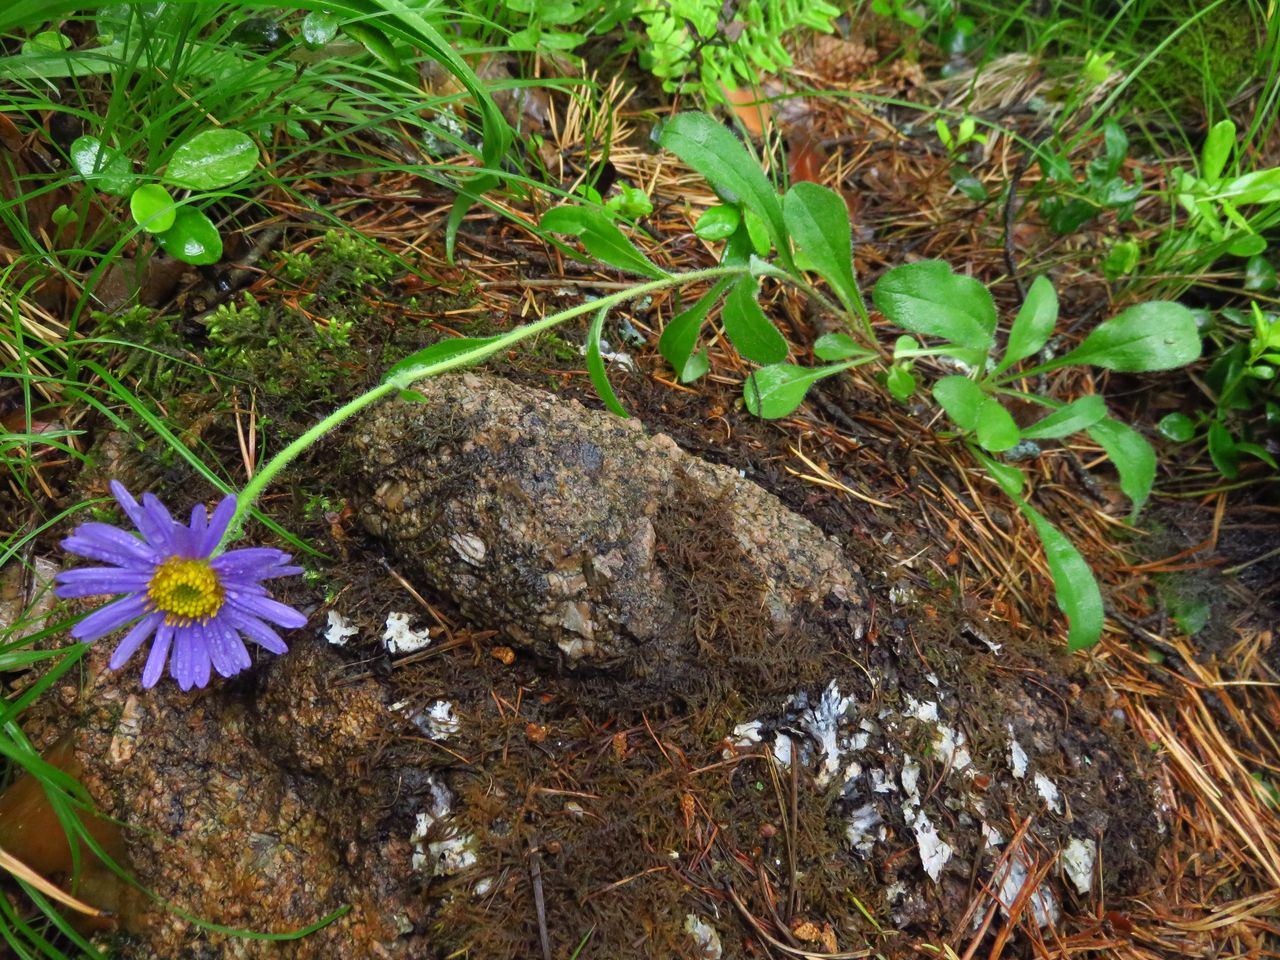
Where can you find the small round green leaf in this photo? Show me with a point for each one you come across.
(192, 239)
(1247, 245)
(718, 223)
(900, 381)
(1177, 427)
(212, 159)
(103, 166)
(47, 41)
(319, 27)
(1259, 273)
(153, 208)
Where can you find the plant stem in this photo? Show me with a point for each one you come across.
(406, 378)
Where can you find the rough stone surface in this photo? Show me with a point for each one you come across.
(591, 543)
(241, 810)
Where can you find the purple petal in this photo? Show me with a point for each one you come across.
(226, 649)
(101, 541)
(159, 653)
(112, 617)
(218, 524)
(174, 533)
(134, 639)
(253, 563)
(264, 607)
(155, 533)
(199, 524)
(91, 581)
(256, 630)
(190, 663)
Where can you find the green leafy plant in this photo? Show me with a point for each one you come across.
(703, 45)
(1242, 381)
(1070, 204)
(212, 159)
(1227, 211)
(947, 315)
(930, 300)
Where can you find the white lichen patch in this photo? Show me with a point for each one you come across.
(469, 547)
(934, 851)
(1048, 791)
(339, 630)
(747, 734)
(400, 636)
(450, 854)
(622, 359)
(1017, 757)
(1078, 861)
(864, 827)
(704, 936)
(438, 721)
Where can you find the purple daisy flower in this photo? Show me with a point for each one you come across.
(194, 603)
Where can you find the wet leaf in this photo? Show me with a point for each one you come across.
(961, 398)
(996, 430)
(1177, 427)
(838, 346)
(1133, 457)
(212, 159)
(319, 27)
(103, 166)
(376, 42)
(1076, 589)
(680, 337)
(153, 208)
(777, 390)
(927, 298)
(437, 352)
(1034, 324)
(192, 239)
(601, 238)
(1223, 451)
(718, 223)
(706, 145)
(819, 223)
(1158, 335)
(1218, 144)
(1066, 420)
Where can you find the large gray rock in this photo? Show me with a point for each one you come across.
(591, 543)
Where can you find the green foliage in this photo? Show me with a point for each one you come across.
(1070, 204)
(929, 300)
(1242, 382)
(1227, 211)
(703, 45)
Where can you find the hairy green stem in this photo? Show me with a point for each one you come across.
(405, 379)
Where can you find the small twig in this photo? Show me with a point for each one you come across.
(539, 903)
(1010, 207)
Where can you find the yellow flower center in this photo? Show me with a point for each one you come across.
(186, 590)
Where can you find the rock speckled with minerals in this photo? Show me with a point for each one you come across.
(595, 545)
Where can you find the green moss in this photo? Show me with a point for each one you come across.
(1208, 63)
